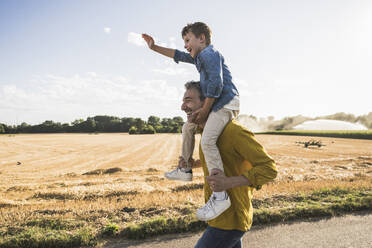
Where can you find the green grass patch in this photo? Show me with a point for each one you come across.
(321, 203)
(162, 225)
(367, 134)
(37, 237)
(110, 229)
(55, 224)
(60, 233)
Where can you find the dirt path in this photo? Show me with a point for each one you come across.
(348, 231)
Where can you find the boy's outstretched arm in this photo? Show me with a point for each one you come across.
(169, 52)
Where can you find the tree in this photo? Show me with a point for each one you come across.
(153, 121)
(133, 130)
(126, 123)
(88, 126)
(2, 129)
(139, 123)
(148, 129)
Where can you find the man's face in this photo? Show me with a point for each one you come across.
(191, 102)
(193, 44)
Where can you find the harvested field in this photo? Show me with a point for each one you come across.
(77, 166)
(119, 177)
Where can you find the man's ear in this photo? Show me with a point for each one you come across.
(202, 38)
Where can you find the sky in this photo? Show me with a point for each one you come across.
(73, 59)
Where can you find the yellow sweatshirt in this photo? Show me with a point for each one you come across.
(241, 155)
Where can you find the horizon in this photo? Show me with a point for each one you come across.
(65, 61)
(241, 116)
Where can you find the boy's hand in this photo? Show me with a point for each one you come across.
(149, 40)
(200, 116)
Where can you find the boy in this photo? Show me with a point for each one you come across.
(220, 106)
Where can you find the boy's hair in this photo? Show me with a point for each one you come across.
(195, 85)
(198, 28)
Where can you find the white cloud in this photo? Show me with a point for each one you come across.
(66, 98)
(172, 42)
(107, 30)
(136, 39)
(172, 71)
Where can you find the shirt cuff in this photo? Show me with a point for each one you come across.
(213, 91)
(252, 179)
(176, 57)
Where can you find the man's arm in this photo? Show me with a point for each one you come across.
(263, 166)
(169, 52)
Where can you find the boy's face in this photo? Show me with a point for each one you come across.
(193, 44)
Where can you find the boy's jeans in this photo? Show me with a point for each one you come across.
(212, 130)
(219, 238)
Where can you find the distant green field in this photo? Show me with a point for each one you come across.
(334, 134)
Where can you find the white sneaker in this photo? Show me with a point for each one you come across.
(179, 174)
(213, 208)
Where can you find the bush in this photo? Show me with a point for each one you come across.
(133, 130)
(148, 129)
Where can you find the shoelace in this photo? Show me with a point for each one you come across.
(175, 171)
(209, 204)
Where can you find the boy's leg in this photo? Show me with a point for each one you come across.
(219, 201)
(213, 128)
(188, 143)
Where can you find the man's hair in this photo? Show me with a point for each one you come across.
(198, 28)
(195, 85)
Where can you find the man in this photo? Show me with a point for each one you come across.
(246, 166)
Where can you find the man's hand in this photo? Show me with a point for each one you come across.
(149, 40)
(218, 181)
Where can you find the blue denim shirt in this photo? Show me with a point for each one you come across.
(215, 77)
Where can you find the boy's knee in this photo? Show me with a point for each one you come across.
(188, 128)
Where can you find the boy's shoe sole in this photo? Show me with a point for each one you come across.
(178, 175)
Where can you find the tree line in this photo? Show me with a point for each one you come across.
(101, 123)
(154, 124)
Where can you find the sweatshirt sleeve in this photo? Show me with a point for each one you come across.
(183, 57)
(263, 166)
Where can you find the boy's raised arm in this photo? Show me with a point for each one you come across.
(169, 52)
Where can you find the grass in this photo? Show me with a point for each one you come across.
(322, 203)
(77, 232)
(367, 134)
(110, 229)
(37, 237)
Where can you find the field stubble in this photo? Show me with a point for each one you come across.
(42, 176)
